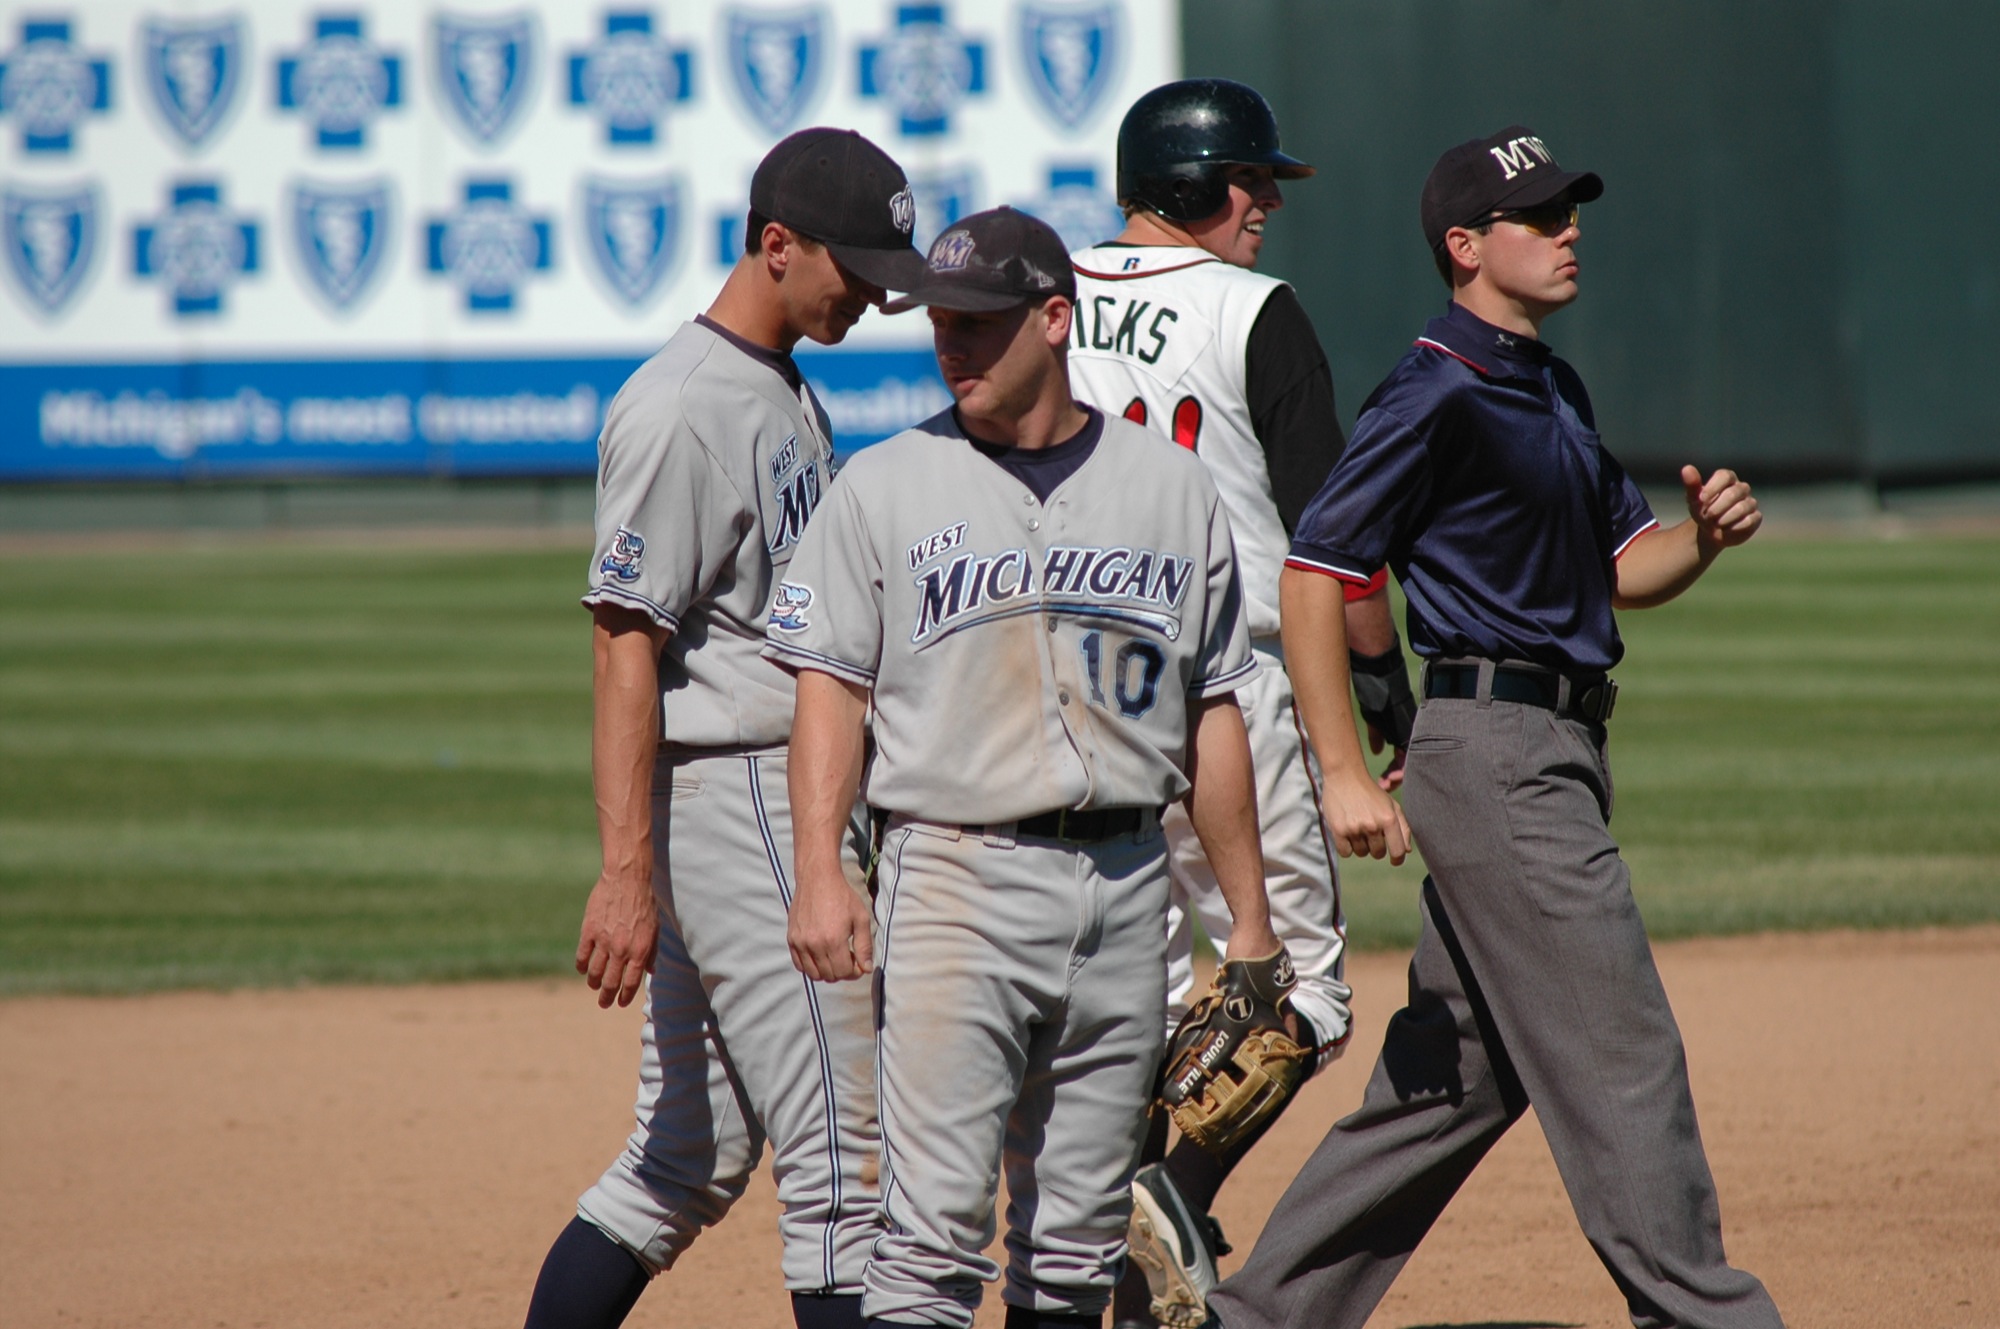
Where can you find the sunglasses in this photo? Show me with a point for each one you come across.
(1548, 220)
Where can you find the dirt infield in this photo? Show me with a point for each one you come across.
(378, 1157)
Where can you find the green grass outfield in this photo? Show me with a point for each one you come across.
(271, 763)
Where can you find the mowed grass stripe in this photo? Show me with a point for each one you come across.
(469, 741)
(284, 764)
(269, 765)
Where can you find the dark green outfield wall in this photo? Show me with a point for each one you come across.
(1794, 266)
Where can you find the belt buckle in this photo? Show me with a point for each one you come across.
(1062, 823)
(1597, 702)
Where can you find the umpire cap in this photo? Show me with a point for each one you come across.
(1177, 142)
(1511, 169)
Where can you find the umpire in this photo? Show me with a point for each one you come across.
(1476, 472)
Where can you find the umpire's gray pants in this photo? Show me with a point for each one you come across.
(1532, 982)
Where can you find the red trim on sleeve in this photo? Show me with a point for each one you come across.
(1342, 575)
(1375, 583)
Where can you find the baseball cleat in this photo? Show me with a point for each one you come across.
(1166, 1238)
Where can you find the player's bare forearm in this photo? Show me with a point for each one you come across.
(829, 929)
(1659, 565)
(1222, 807)
(1313, 623)
(620, 921)
(1312, 617)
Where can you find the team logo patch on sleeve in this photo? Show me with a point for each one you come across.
(623, 560)
(788, 609)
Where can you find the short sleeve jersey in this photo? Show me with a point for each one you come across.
(708, 467)
(1024, 656)
(1476, 472)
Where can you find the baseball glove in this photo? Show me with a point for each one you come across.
(1231, 1065)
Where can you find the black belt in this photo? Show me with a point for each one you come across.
(1592, 698)
(1069, 824)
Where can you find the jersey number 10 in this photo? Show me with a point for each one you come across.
(1134, 699)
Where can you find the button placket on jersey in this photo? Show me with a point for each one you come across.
(810, 417)
(1064, 648)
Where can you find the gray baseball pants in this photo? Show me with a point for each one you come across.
(1533, 982)
(739, 1047)
(1023, 987)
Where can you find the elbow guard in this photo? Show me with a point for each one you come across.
(1382, 691)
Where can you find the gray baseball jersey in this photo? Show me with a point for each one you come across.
(708, 468)
(709, 465)
(1024, 657)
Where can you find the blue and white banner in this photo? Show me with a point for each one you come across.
(272, 237)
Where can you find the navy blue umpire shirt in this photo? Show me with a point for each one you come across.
(1476, 473)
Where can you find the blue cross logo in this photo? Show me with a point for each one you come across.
(339, 81)
(489, 246)
(49, 86)
(924, 69)
(197, 248)
(629, 77)
(1081, 212)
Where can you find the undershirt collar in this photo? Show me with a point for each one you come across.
(779, 362)
(1042, 469)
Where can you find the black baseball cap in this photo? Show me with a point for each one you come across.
(836, 187)
(1510, 169)
(992, 260)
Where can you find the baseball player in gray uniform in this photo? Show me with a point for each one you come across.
(1176, 331)
(713, 456)
(1041, 607)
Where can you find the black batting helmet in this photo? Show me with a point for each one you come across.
(1178, 141)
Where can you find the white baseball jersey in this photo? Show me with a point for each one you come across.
(1161, 335)
(1159, 338)
(1023, 657)
(708, 467)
